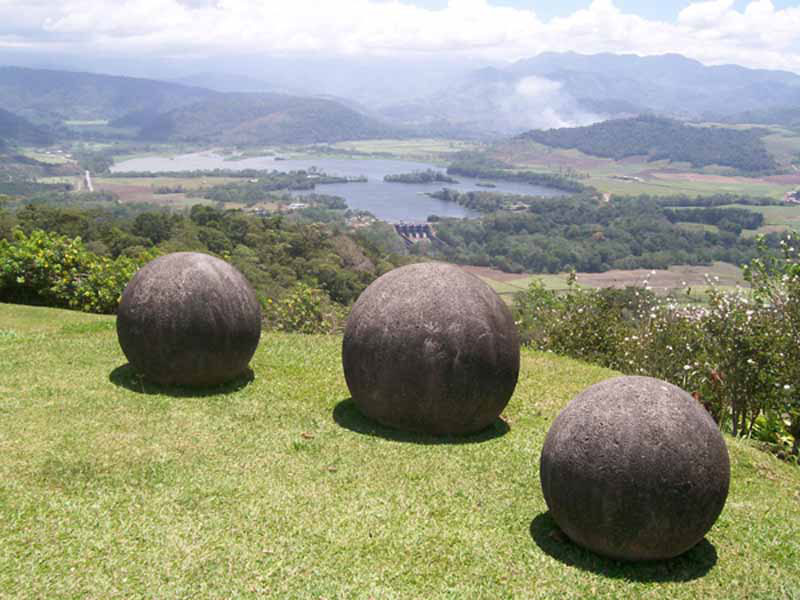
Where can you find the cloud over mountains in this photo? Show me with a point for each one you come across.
(715, 31)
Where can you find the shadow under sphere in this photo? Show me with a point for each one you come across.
(347, 415)
(693, 564)
(431, 349)
(125, 376)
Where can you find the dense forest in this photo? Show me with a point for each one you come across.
(426, 176)
(556, 234)
(261, 188)
(274, 253)
(733, 220)
(664, 139)
(481, 167)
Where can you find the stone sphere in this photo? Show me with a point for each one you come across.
(430, 348)
(189, 319)
(634, 468)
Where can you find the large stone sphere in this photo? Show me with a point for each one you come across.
(189, 319)
(430, 348)
(634, 468)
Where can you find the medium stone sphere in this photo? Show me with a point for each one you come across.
(430, 348)
(189, 319)
(634, 468)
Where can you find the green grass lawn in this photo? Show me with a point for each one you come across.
(274, 486)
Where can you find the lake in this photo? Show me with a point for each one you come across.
(390, 202)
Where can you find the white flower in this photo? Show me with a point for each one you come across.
(687, 367)
(786, 386)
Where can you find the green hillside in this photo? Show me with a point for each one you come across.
(16, 130)
(244, 119)
(52, 96)
(276, 487)
(664, 139)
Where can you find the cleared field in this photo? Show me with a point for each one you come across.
(784, 145)
(677, 279)
(701, 227)
(776, 218)
(421, 148)
(635, 175)
(275, 486)
(142, 189)
(79, 123)
(75, 180)
(667, 184)
(50, 158)
(190, 183)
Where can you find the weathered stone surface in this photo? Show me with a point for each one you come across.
(430, 348)
(189, 319)
(635, 469)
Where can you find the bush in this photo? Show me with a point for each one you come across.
(739, 355)
(303, 310)
(54, 270)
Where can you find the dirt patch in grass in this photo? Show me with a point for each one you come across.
(660, 280)
(633, 160)
(665, 279)
(793, 179)
(132, 194)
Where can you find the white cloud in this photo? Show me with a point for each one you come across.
(711, 31)
(705, 14)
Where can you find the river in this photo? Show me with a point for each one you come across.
(391, 202)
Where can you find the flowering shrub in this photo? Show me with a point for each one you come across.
(303, 309)
(55, 270)
(739, 354)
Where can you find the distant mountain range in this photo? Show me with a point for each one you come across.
(167, 111)
(549, 91)
(555, 90)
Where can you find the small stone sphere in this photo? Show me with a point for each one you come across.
(634, 468)
(189, 319)
(430, 348)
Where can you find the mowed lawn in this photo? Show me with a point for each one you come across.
(275, 487)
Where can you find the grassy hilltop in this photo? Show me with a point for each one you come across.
(276, 487)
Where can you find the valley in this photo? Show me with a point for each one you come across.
(636, 211)
(140, 156)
